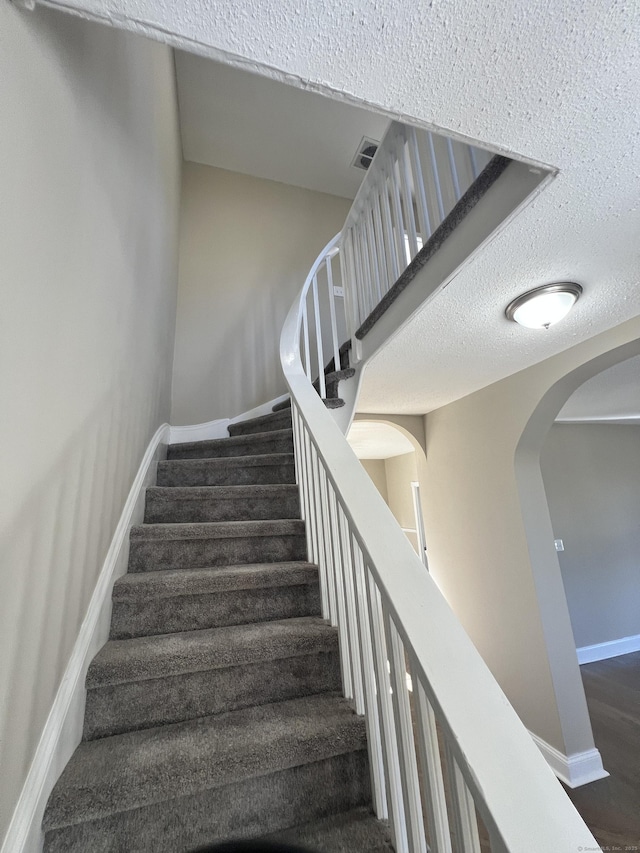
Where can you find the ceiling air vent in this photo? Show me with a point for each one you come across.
(364, 154)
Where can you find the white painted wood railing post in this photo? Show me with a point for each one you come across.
(435, 802)
(388, 730)
(406, 746)
(463, 810)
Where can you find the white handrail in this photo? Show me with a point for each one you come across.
(390, 615)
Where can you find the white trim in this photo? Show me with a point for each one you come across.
(220, 428)
(63, 729)
(199, 432)
(610, 649)
(574, 770)
(601, 419)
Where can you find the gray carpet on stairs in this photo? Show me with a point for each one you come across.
(214, 711)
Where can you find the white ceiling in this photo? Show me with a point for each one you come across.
(612, 396)
(246, 123)
(371, 440)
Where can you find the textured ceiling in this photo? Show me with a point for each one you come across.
(556, 83)
(377, 441)
(246, 123)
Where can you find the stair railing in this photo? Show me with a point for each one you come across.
(444, 743)
(321, 319)
(414, 181)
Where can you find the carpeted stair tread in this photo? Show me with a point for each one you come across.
(334, 403)
(136, 769)
(217, 530)
(121, 661)
(356, 831)
(176, 504)
(274, 441)
(137, 586)
(157, 547)
(259, 469)
(271, 421)
(162, 602)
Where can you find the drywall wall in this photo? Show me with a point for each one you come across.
(401, 471)
(591, 476)
(375, 468)
(246, 247)
(490, 537)
(89, 205)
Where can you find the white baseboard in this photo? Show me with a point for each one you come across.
(220, 428)
(199, 432)
(610, 649)
(63, 729)
(574, 770)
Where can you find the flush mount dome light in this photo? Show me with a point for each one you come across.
(544, 306)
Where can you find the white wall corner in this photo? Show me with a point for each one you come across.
(610, 649)
(62, 731)
(574, 770)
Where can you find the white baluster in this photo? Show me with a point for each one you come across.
(387, 228)
(341, 608)
(473, 160)
(332, 312)
(454, 170)
(319, 534)
(383, 265)
(403, 261)
(311, 526)
(404, 732)
(463, 810)
(307, 349)
(316, 310)
(407, 197)
(385, 709)
(418, 183)
(433, 782)
(436, 178)
(372, 717)
(352, 618)
(373, 258)
(330, 569)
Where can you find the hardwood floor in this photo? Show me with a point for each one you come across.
(611, 807)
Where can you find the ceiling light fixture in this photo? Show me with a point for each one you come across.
(544, 306)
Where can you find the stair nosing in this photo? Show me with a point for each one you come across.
(138, 580)
(252, 460)
(178, 531)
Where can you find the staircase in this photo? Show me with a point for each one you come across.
(215, 709)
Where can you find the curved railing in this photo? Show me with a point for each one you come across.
(445, 745)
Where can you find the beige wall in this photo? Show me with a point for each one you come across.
(89, 202)
(591, 475)
(246, 247)
(490, 537)
(375, 468)
(401, 471)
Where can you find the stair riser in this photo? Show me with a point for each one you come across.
(216, 610)
(201, 472)
(147, 555)
(248, 809)
(279, 444)
(142, 704)
(160, 510)
(280, 420)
